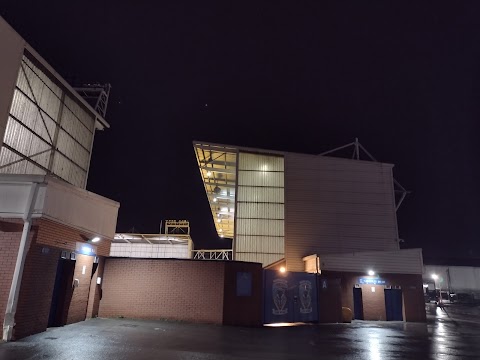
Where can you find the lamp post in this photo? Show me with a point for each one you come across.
(435, 277)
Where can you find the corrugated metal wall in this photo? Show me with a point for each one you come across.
(336, 205)
(47, 126)
(259, 224)
(12, 46)
(408, 261)
(158, 251)
(460, 279)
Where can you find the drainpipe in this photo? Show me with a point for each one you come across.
(9, 321)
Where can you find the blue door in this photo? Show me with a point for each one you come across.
(290, 297)
(357, 304)
(393, 304)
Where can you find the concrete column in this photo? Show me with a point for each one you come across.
(9, 322)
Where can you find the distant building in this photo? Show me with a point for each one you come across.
(54, 234)
(174, 243)
(317, 214)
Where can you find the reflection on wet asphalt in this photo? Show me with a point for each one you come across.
(446, 335)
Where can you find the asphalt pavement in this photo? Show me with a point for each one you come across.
(446, 335)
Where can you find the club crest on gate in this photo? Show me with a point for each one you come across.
(305, 290)
(279, 289)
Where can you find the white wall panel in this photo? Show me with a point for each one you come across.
(261, 210)
(261, 178)
(260, 194)
(336, 205)
(12, 46)
(80, 208)
(263, 244)
(259, 162)
(463, 279)
(35, 123)
(408, 261)
(264, 259)
(259, 228)
(157, 251)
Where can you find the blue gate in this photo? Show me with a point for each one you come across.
(290, 297)
(393, 304)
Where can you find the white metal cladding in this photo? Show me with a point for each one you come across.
(262, 210)
(263, 244)
(336, 205)
(460, 279)
(261, 194)
(159, 251)
(58, 201)
(259, 227)
(12, 46)
(47, 131)
(264, 227)
(408, 261)
(264, 259)
(260, 162)
(261, 178)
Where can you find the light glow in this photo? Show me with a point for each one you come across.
(434, 276)
(209, 173)
(224, 209)
(232, 210)
(282, 269)
(215, 199)
(371, 272)
(221, 235)
(95, 239)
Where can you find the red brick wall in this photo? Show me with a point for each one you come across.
(95, 290)
(329, 301)
(243, 310)
(54, 234)
(36, 290)
(10, 235)
(39, 273)
(185, 290)
(374, 303)
(77, 309)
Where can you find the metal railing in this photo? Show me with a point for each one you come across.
(222, 254)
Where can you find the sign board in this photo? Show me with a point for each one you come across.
(372, 281)
(86, 249)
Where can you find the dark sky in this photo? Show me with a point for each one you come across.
(301, 76)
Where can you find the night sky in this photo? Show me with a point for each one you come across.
(301, 76)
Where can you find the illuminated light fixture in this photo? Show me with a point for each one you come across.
(264, 167)
(95, 239)
(282, 269)
(219, 220)
(209, 173)
(434, 276)
(220, 230)
(221, 235)
(224, 209)
(218, 215)
(215, 199)
(371, 272)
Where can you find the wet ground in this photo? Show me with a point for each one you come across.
(449, 334)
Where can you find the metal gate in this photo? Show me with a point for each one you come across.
(290, 297)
